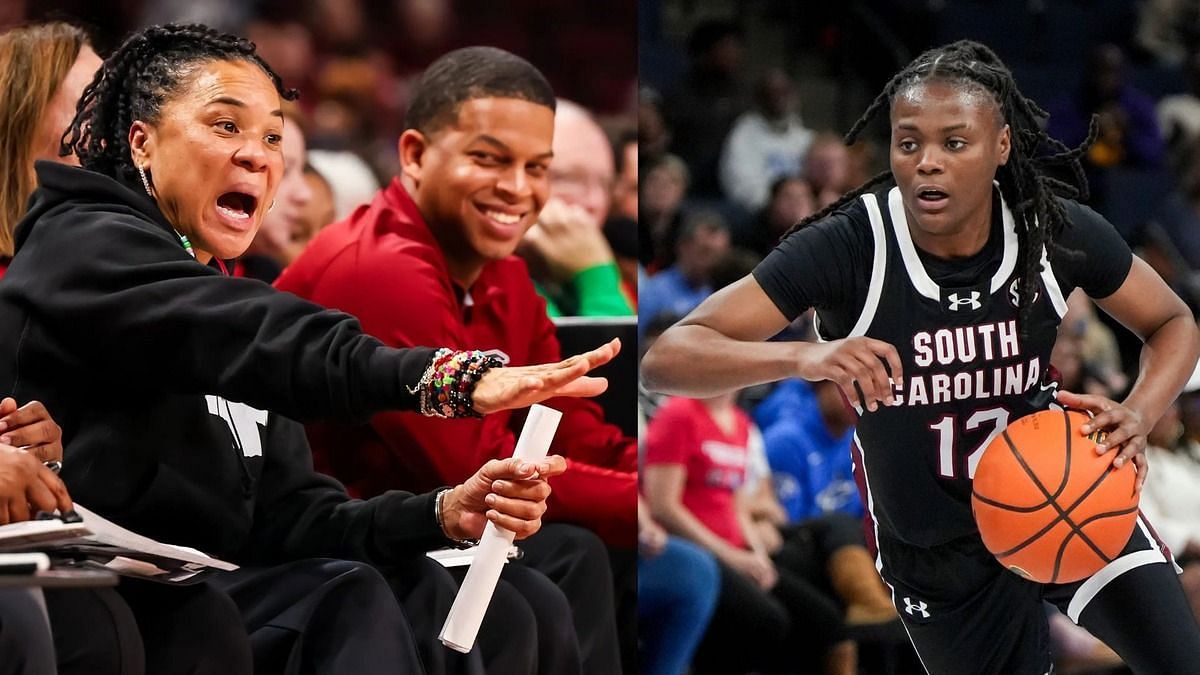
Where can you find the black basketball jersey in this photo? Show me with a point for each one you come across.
(968, 370)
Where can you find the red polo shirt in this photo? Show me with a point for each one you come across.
(383, 266)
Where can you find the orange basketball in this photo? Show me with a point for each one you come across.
(1048, 507)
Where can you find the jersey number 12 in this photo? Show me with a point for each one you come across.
(948, 435)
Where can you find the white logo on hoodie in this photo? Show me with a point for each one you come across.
(243, 423)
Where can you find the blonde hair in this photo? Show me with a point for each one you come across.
(34, 60)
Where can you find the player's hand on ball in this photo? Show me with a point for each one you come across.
(509, 492)
(857, 366)
(1125, 427)
(522, 386)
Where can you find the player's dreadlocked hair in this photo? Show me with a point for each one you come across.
(1029, 191)
(146, 71)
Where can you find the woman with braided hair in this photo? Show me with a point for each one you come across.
(174, 385)
(968, 235)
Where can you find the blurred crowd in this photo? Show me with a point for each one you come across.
(741, 114)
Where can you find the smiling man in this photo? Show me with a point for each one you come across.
(430, 261)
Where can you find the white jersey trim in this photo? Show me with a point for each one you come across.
(1009, 262)
(1111, 571)
(908, 252)
(1052, 288)
(917, 274)
(878, 268)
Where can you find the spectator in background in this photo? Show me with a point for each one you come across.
(710, 97)
(342, 118)
(654, 136)
(766, 618)
(621, 228)
(625, 189)
(1085, 353)
(661, 208)
(569, 258)
(317, 213)
(226, 15)
(807, 429)
(43, 70)
(1128, 131)
(349, 177)
(703, 240)
(287, 44)
(827, 169)
(1179, 117)
(274, 247)
(343, 24)
(583, 171)
(731, 266)
(1167, 29)
(791, 201)
(765, 144)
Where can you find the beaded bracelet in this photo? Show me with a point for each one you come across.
(447, 387)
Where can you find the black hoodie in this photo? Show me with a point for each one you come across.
(141, 353)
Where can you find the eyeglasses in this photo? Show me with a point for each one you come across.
(578, 181)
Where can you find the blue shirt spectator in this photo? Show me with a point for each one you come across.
(703, 242)
(809, 455)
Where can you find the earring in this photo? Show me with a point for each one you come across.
(145, 182)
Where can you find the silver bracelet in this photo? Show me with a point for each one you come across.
(422, 389)
(437, 515)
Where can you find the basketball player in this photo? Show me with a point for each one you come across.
(938, 286)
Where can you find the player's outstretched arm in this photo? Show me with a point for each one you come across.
(1148, 307)
(720, 347)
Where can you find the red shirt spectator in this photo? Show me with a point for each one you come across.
(383, 265)
(683, 432)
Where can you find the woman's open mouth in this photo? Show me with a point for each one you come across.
(932, 199)
(237, 207)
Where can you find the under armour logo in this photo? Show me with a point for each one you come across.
(919, 606)
(955, 301)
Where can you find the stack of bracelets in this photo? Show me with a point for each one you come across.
(447, 387)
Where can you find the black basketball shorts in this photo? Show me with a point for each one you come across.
(967, 615)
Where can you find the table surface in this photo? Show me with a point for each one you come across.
(59, 579)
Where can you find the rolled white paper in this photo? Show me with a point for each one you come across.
(462, 624)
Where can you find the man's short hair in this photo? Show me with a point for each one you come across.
(471, 73)
(701, 220)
